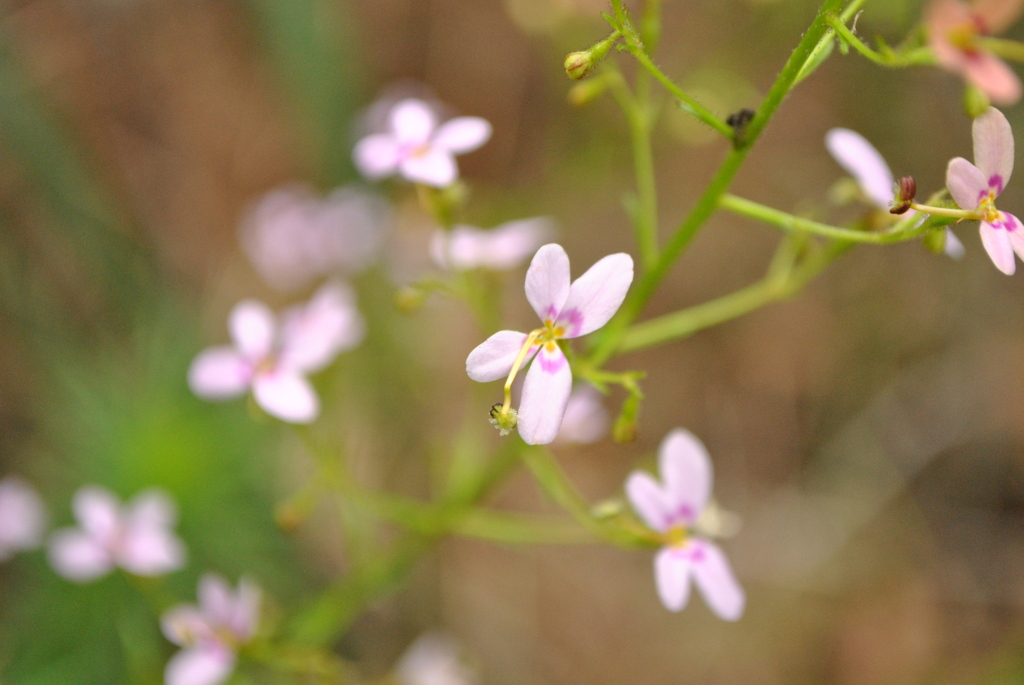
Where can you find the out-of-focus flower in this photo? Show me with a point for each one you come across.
(211, 633)
(292, 236)
(861, 160)
(503, 247)
(417, 148)
(22, 517)
(568, 311)
(953, 29)
(433, 659)
(585, 419)
(976, 187)
(673, 508)
(138, 536)
(273, 358)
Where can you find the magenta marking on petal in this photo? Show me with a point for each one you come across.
(572, 321)
(684, 515)
(996, 182)
(550, 314)
(551, 363)
(1007, 221)
(697, 553)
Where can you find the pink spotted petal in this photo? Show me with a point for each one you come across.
(547, 281)
(999, 248)
(462, 134)
(219, 373)
(997, 15)
(412, 122)
(313, 334)
(672, 570)
(993, 148)
(1016, 230)
(965, 182)
(77, 556)
(377, 156)
(686, 472)
(993, 77)
(862, 161)
(649, 500)
(493, 358)
(251, 324)
(97, 511)
(940, 18)
(286, 395)
(586, 419)
(545, 394)
(595, 296)
(715, 580)
(210, 664)
(434, 167)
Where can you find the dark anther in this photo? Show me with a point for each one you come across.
(495, 410)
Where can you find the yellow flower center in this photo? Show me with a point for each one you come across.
(987, 207)
(676, 536)
(964, 37)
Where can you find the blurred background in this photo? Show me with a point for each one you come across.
(870, 432)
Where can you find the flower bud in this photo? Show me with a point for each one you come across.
(905, 191)
(976, 102)
(410, 298)
(579, 64)
(624, 429)
(587, 91)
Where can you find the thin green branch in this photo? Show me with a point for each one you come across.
(888, 58)
(686, 102)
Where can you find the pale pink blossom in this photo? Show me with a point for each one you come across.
(673, 508)
(585, 420)
(433, 659)
(272, 357)
(568, 311)
(137, 537)
(976, 188)
(416, 147)
(22, 517)
(293, 236)
(861, 160)
(953, 29)
(211, 633)
(500, 248)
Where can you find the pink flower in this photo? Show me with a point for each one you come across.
(976, 187)
(500, 248)
(673, 508)
(22, 517)
(292, 236)
(417, 148)
(568, 311)
(861, 160)
(211, 633)
(273, 358)
(953, 28)
(433, 659)
(585, 419)
(137, 537)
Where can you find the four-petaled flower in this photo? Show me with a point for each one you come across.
(211, 633)
(417, 148)
(137, 537)
(22, 517)
(502, 247)
(672, 509)
(273, 358)
(953, 29)
(568, 311)
(874, 177)
(976, 188)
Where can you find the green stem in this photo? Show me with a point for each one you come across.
(708, 202)
(827, 43)
(890, 59)
(687, 103)
(1007, 49)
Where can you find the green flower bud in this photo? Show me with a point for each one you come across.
(587, 91)
(624, 429)
(976, 102)
(579, 64)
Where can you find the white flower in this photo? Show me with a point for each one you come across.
(22, 517)
(674, 508)
(433, 659)
(138, 536)
(273, 358)
(292, 236)
(585, 419)
(211, 633)
(568, 311)
(867, 166)
(417, 148)
(500, 248)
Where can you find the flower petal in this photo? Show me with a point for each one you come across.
(547, 281)
(585, 420)
(1013, 226)
(953, 248)
(148, 550)
(22, 516)
(184, 625)
(500, 248)
(965, 182)
(376, 156)
(219, 373)
(152, 507)
(251, 324)
(462, 134)
(999, 248)
(207, 665)
(286, 395)
(545, 394)
(97, 510)
(412, 121)
(493, 358)
(77, 556)
(245, 616)
(433, 167)
(997, 15)
(861, 160)
(941, 18)
(313, 334)
(993, 148)
(686, 473)
(672, 570)
(993, 77)
(714, 578)
(649, 500)
(216, 599)
(595, 296)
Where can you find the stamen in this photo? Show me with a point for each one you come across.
(949, 212)
(523, 351)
